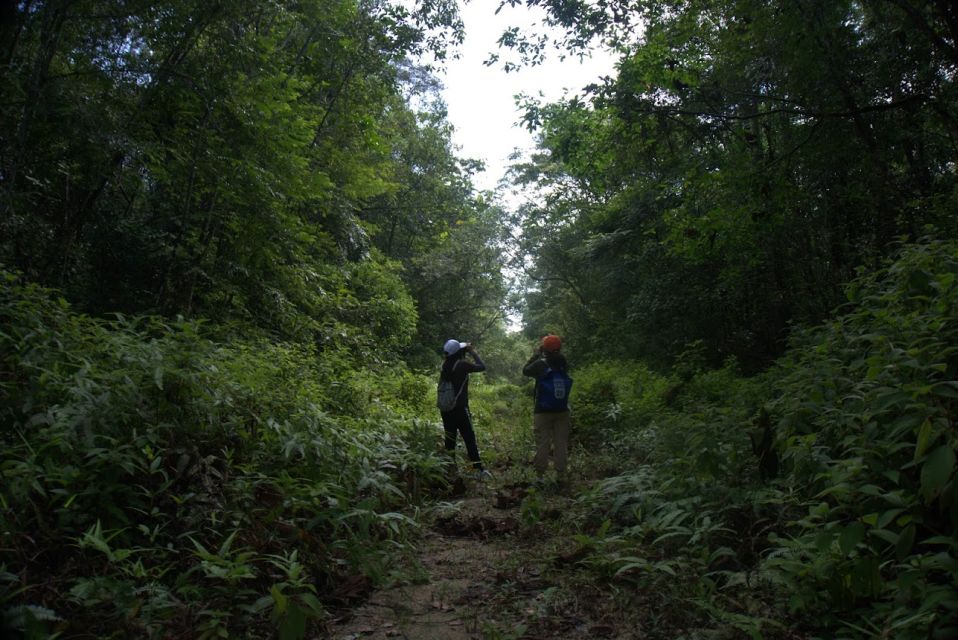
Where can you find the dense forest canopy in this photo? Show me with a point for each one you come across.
(245, 162)
(745, 161)
(234, 236)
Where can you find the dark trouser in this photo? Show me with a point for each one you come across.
(459, 420)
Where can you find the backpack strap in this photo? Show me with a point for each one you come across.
(461, 387)
(454, 364)
(539, 379)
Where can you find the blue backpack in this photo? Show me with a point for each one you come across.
(552, 390)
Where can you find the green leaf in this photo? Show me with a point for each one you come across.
(936, 471)
(886, 518)
(823, 540)
(871, 490)
(904, 424)
(225, 547)
(888, 536)
(866, 579)
(947, 389)
(924, 439)
(920, 282)
(294, 625)
(314, 606)
(279, 599)
(905, 542)
(894, 475)
(889, 397)
(850, 537)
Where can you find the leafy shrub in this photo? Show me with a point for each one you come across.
(867, 426)
(856, 537)
(155, 481)
(502, 413)
(616, 395)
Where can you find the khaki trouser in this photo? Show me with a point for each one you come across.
(552, 432)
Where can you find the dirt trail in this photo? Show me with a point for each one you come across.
(479, 580)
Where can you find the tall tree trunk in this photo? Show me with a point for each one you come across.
(11, 27)
(51, 28)
(72, 229)
(879, 179)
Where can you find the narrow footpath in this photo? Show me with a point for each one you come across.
(482, 578)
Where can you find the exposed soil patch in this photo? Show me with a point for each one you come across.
(460, 554)
(479, 527)
(489, 576)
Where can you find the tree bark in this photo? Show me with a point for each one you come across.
(51, 28)
(72, 229)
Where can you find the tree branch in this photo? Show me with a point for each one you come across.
(807, 113)
(923, 26)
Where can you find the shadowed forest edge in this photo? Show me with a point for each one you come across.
(234, 237)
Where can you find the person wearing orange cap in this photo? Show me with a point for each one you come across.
(551, 417)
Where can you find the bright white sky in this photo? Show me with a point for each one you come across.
(481, 100)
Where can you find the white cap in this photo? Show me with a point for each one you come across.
(452, 346)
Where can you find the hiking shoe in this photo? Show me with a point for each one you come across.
(483, 475)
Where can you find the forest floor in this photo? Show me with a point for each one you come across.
(491, 567)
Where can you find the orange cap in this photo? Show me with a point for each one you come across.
(551, 343)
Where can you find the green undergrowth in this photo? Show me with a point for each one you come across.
(502, 417)
(154, 483)
(158, 483)
(844, 529)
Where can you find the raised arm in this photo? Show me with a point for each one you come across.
(477, 365)
(535, 367)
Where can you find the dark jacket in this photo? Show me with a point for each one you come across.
(457, 369)
(537, 366)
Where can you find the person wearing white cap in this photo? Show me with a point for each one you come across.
(456, 368)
